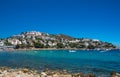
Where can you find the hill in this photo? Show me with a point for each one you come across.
(34, 39)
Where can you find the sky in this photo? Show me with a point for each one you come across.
(96, 19)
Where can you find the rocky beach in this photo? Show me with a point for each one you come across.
(24, 72)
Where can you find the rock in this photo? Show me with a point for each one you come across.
(117, 74)
(49, 76)
(0, 71)
(78, 75)
(90, 75)
(55, 75)
(5, 71)
(11, 70)
(7, 75)
(18, 76)
(25, 70)
(19, 72)
(65, 75)
(114, 74)
(43, 74)
(65, 71)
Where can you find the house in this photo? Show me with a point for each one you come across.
(74, 41)
(86, 44)
(85, 40)
(1, 43)
(34, 33)
(14, 41)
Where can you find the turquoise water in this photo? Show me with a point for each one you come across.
(96, 62)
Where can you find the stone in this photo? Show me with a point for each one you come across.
(25, 70)
(49, 76)
(55, 75)
(43, 73)
(117, 74)
(65, 75)
(43, 76)
(18, 76)
(114, 74)
(78, 75)
(5, 71)
(90, 75)
(0, 71)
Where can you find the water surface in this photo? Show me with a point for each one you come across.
(96, 62)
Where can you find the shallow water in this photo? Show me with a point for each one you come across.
(96, 62)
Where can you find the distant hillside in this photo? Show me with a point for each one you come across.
(34, 39)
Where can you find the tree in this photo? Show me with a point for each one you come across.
(91, 47)
(7, 43)
(38, 45)
(81, 46)
(73, 45)
(28, 45)
(60, 45)
(47, 46)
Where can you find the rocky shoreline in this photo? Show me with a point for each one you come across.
(24, 72)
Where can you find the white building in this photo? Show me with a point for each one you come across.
(19, 36)
(86, 44)
(34, 33)
(52, 44)
(14, 41)
(24, 41)
(74, 41)
(85, 39)
(1, 43)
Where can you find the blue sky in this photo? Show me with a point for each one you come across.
(98, 19)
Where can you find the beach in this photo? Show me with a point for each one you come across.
(24, 72)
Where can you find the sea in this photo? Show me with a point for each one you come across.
(100, 63)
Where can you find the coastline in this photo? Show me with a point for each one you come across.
(25, 72)
(29, 49)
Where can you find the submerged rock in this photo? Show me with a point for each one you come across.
(90, 75)
(114, 74)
